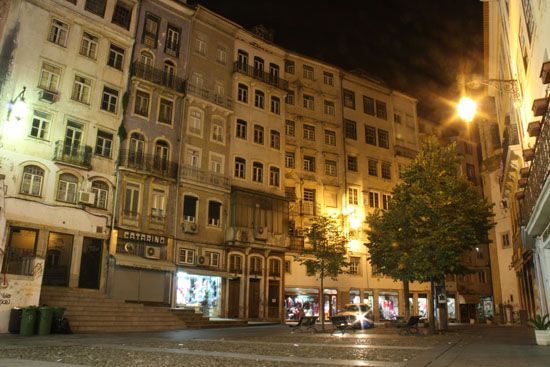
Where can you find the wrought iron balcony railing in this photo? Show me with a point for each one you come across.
(73, 154)
(148, 163)
(261, 75)
(303, 207)
(202, 176)
(511, 137)
(208, 95)
(405, 152)
(158, 76)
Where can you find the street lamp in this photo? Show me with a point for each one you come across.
(17, 111)
(467, 109)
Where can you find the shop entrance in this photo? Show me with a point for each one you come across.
(58, 259)
(90, 263)
(467, 312)
(330, 303)
(234, 291)
(254, 299)
(273, 308)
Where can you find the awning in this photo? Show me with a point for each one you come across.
(206, 272)
(139, 262)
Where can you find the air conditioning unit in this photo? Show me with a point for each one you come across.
(190, 227)
(152, 252)
(48, 96)
(201, 260)
(86, 197)
(261, 233)
(129, 248)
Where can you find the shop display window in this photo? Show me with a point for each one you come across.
(451, 307)
(200, 292)
(368, 298)
(308, 302)
(20, 252)
(388, 305)
(355, 296)
(423, 305)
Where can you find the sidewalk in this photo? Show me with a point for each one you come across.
(488, 346)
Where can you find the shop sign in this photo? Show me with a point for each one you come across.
(143, 237)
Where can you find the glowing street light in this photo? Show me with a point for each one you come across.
(467, 109)
(17, 111)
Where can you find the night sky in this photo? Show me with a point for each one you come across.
(417, 46)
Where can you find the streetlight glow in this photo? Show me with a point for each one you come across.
(467, 109)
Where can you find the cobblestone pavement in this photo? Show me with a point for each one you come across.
(244, 346)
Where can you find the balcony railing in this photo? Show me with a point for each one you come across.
(260, 75)
(158, 76)
(73, 154)
(205, 177)
(511, 137)
(303, 207)
(208, 95)
(148, 163)
(538, 173)
(405, 152)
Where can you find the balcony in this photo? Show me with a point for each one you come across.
(260, 75)
(157, 76)
(204, 177)
(405, 152)
(148, 163)
(296, 243)
(510, 138)
(74, 155)
(208, 95)
(303, 207)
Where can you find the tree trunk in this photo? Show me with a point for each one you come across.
(407, 303)
(432, 306)
(322, 300)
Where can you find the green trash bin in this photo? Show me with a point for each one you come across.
(28, 319)
(45, 320)
(57, 317)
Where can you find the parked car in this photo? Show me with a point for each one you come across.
(357, 314)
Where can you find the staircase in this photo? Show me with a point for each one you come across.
(90, 311)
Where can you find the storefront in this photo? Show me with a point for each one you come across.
(486, 308)
(388, 305)
(330, 302)
(203, 292)
(296, 298)
(421, 306)
(367, 297)
(451, 307)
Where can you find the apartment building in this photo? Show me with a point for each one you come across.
(68, 61)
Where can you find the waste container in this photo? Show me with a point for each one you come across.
(28, 319)
(45, 320)
(15, 320)
(57, 317)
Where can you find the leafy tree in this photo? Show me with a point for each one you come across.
(435, 217)
(326, 254)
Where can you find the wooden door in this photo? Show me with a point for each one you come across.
(234, 286)
(254, 299)
(273, 300)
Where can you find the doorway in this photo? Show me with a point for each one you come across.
(234, 286)
(273, 303)
(58, 259)
(90, 263)
(254, 299)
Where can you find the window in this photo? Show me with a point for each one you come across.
(352, 163)
(330, 168)
(109, 99)
(290, 128)
(289, 67)
(330, 137)
(470, 171)
(104, 144)
(308, 72)
(370, 135)
(240, 167)
(329, 108)
(273, 73)
(289, 99)
(309, 164)
(351, 129)
(190, 208)
(386, 170)
(58, 32)
(136, 149)
(255, 265)
(141, 104)
(258, 67)
(236, 263)
(218, 131)
(467, 148)
(172, 46)
(67, 188)
(214, 213)
(308, 204)
(150, 30)
(195, 122)
(289, 160)
(31, 184)
(257, 172)
(275, 139)
(287, 266)
(354, 263)
(221, 55)
(216, 163)
(481, 277)
(81, 89)
(200, 46)
(386, 201)
(368, 105)
(276, 105)
(101, 191)
(397, 118)
(259, 99)
(240, 131)
(274, 267)
(166, 108)
(213, 259)
(349, 99)
(258, 134)
(242, 94)
(309, 102)
(309, 132)
(49, 77)
(242, 60)
(20, 251)
(122, 15)
(353, 196)
(88, 46)
(116, 57)
(169, 74)
(40, 125)
(505, 240)
(381, 111)
(158, 205)
(328, 78)
(95, 6)
(373, 199)
(373, 167)
(193, 157)
(161, 156)
(186, 256)
(274, 176)
(383, 139)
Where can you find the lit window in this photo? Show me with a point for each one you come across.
(353, 196)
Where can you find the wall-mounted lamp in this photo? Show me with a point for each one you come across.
(17, 106)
